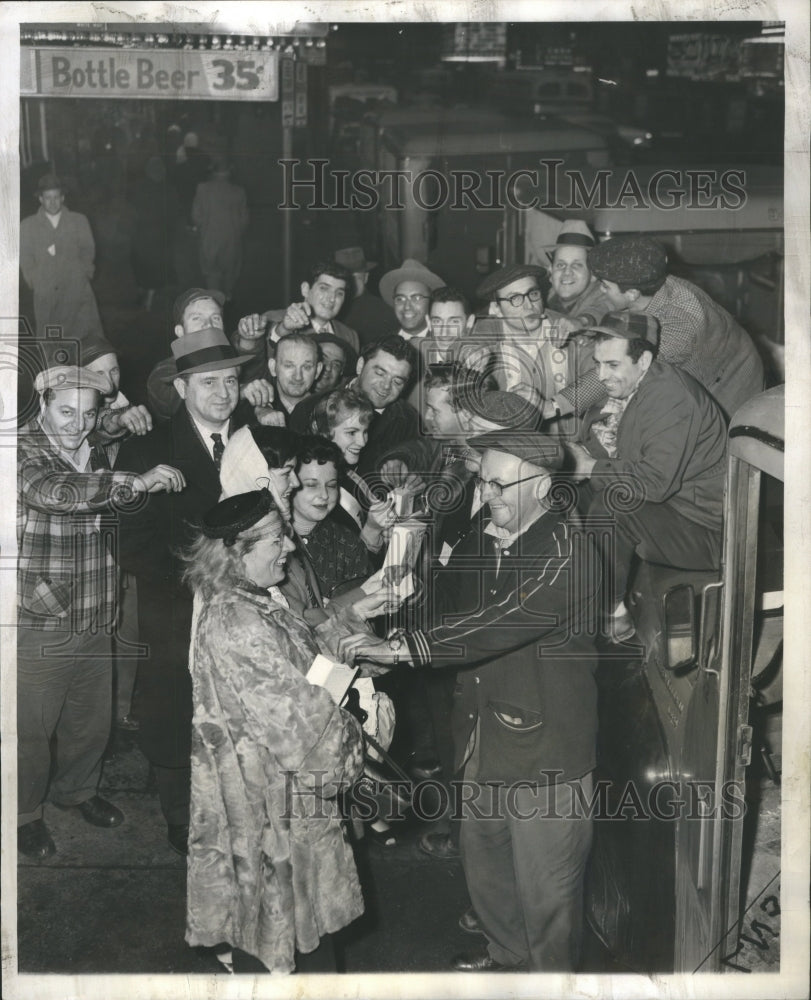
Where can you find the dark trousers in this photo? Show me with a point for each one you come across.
(655, 532)
(524, 852)
(64, 689)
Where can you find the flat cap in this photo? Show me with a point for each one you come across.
(539, 449)
(629, 260)
(629, 326)
(507, 409)
(92, 348)
(71, 377)
(506, 276)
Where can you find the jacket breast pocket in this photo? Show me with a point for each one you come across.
(515, 718)
(50, 598)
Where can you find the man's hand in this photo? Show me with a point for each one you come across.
(162, 478)
(258, 393)
(583, 462)
(297, 317)
(252, 327)
(136, 420)
(268, 417)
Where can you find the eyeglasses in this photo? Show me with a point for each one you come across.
(416, 299)
(498, 488)
(516, 300)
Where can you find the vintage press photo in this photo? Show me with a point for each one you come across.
(185, 188)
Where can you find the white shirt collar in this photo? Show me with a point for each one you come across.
(205, 433)
(507, 538)
(417, 335)
(54, 219)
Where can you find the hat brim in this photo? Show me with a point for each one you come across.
(392, 279)
(210, 366)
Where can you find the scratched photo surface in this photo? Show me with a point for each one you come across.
(464, 346)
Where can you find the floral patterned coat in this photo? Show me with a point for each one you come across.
(269, 869)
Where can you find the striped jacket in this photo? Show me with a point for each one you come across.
(66, 573)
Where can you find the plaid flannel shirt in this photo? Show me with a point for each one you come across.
(66, 573)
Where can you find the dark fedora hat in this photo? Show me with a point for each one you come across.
(206, 350)
(49, 182)
(354, 259)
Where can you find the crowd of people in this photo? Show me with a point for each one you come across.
(240, 523)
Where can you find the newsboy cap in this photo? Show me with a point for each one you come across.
(508, 409)
(506, 276)
(539, 449)
(49, 182)
(629, 326)
(635, 261)
(71, 377)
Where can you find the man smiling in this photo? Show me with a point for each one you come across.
(383, 374)
(505, 614)
(407, 290)
(661, 438)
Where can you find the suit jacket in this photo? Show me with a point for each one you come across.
(149, 541)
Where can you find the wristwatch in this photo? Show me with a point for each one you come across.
(395, 641)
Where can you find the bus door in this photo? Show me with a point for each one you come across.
(675, 730)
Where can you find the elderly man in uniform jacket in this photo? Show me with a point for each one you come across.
(206, 379)
(513, 614)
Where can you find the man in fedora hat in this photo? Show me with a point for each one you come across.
(57, 260)
(505, 613)
(366, 313)
(206, 378)
(407, 289)
(660, 439)
(66, 592)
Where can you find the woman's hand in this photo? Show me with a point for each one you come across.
(383, 599)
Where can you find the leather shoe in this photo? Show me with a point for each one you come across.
(178, 837)
(34, 841)
(438, 845)
(469, 922)
(481, 962)
(619, 628)
(98, 812)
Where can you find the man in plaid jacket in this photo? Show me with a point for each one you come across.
(66, 600)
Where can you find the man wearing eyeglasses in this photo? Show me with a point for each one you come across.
(407, 290)
(514, 614)
(532, 356)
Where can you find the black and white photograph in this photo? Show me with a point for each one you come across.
(405, 587)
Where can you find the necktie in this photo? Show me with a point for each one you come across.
(219, 448)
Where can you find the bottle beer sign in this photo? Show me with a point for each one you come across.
(170, 75)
